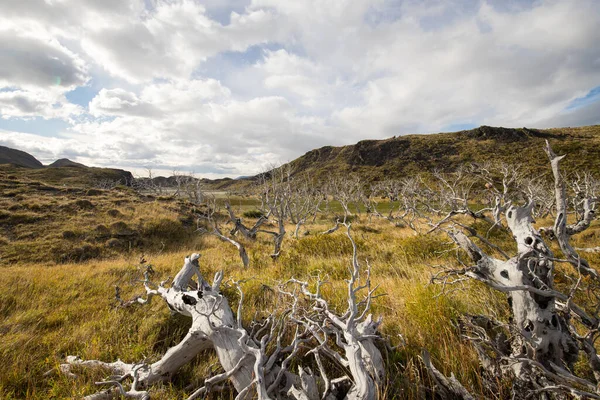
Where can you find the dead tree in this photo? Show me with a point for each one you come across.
(367, 200)
(275, 197)
(211, 219)
(148, 184)
(190, 187)
(548, 329)
(454, 198)
(257, 361)
(347, 192)
(238, 224)
(414, 204)
(304, 202)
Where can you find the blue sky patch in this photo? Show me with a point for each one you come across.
(38, 126)
(591, 97)
(82, 95)
(459, 127)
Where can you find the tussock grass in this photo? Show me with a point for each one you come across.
(49, 311)
(52, 305)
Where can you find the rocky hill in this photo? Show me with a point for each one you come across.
(403, 155)
(18, 158)
(21, 165)
(65, 162)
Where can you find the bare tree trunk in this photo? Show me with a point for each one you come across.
(258, 361)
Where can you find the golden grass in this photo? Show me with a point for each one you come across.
(50, 311)
(52, 306)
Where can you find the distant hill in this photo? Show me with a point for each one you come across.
(207, 184)
(65, 162)
(373, 160)
(18, 158)
(86, 177)
(61, 172)
(405, 155)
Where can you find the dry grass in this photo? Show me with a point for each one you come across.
(74, 225)
(53, 307)
(51, 311)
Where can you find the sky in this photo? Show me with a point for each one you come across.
(229, 87)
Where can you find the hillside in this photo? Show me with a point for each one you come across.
(18, 158)
(411, 154)
(87, 177)
(373, 160)
(65, 247)
(65, 162)
(22, 166)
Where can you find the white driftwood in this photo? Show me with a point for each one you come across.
(561, 230)
(540, 344)
(257, 362)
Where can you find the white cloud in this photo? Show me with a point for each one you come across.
(32, 59)
(113, 102)
(35, 72)
(179, 88)
(196, 124)
(45, 104)
(171, 40)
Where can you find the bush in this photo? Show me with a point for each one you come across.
(164, 228)
(253, 214)
(93, 192)
(11, 219)
(120, 228)
(68, 235)
(349, 218)
(64, 254)
(84, 204)
(114, 243)
(114, 213)
(102, 231)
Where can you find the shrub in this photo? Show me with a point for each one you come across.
(114, 213)
(102, 231)
(18, 218)
(253, 214)
(114, 243)
(349, 218)
(93, 192)
(367, 229)
(84, 204)
(163, 228)
(68, 235)
(64, 254)
(120, 228)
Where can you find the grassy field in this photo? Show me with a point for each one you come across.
(59, 268)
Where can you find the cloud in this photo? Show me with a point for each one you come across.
(173, 39)
(231, 86)
(35, 72)
(31, 59)
(113, 102)
(196, 123)
(45, 104)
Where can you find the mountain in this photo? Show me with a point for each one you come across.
(61, 172)
(18, 158)
(65, 162)
(405, 155)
